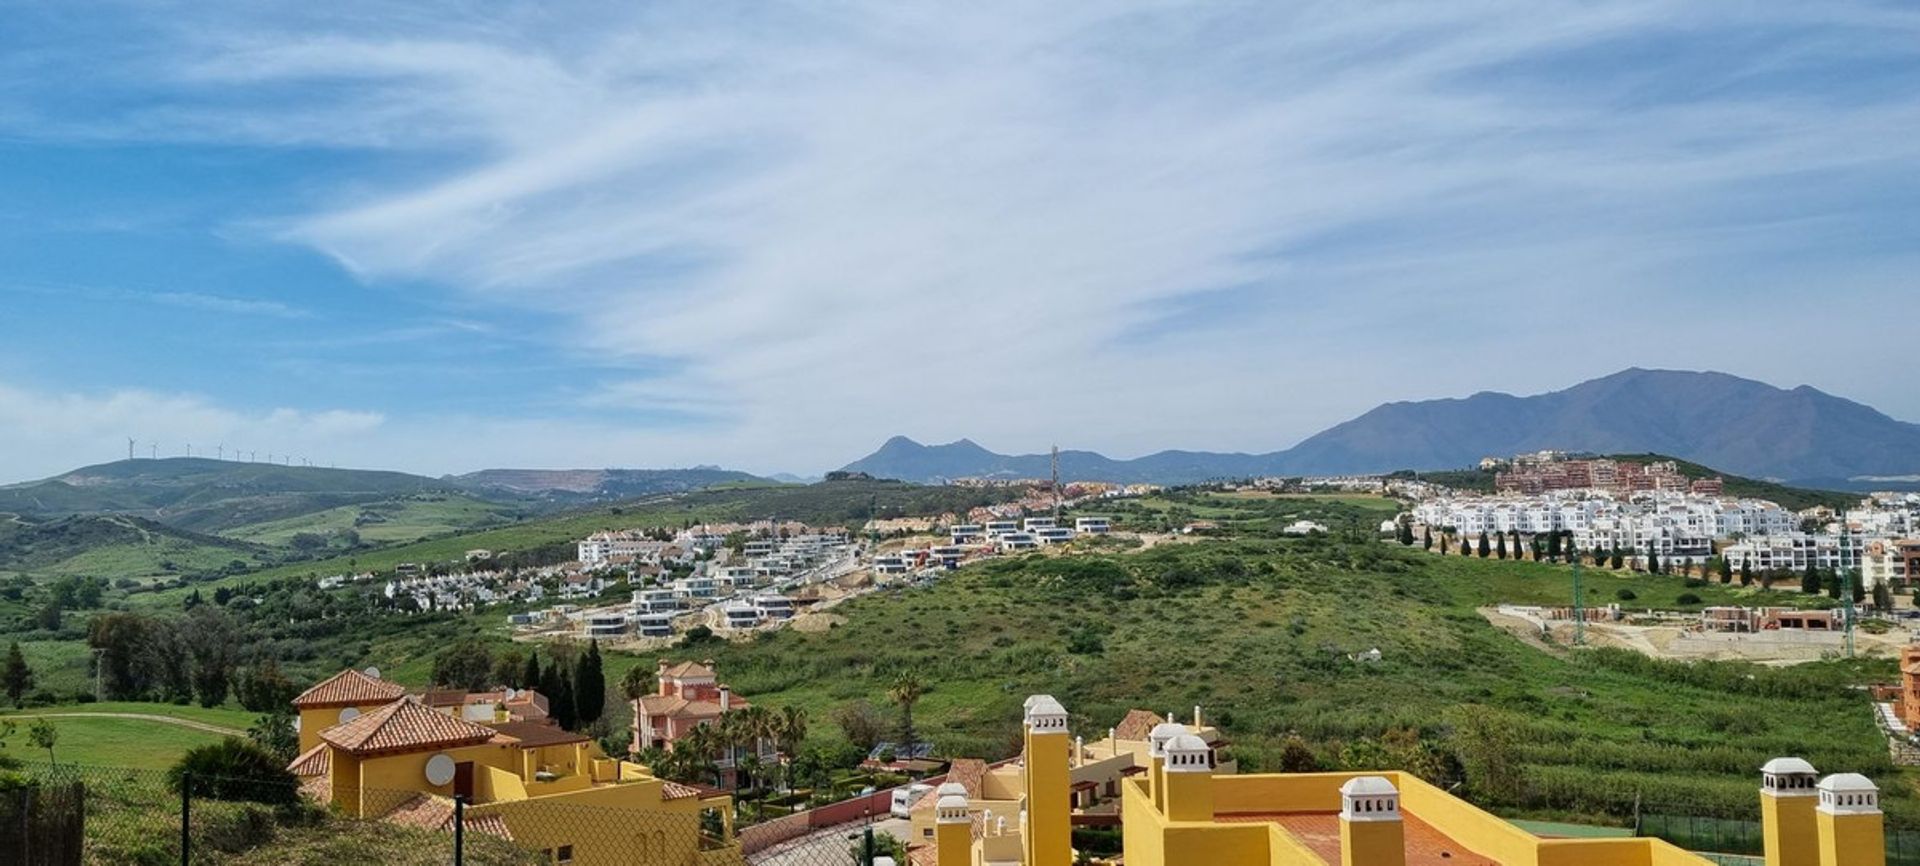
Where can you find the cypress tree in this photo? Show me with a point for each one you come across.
(1746, 571)
(1726, 571)
(1810, 580)
(1426, 538)
(1500, 547)
(1553, 546)
(1484, 547)
(530, 676)
(589, 686)
(1618, 560)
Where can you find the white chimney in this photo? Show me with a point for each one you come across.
(726, 699)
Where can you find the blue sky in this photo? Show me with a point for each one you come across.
(768, 235)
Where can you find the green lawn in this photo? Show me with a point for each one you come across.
(104, 742)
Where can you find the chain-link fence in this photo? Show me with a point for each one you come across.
(1737, 837)
(70, 815)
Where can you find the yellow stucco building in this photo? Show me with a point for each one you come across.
(1182, 812)
(533, 783)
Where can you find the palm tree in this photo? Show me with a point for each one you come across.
(790, 731)
(907, 690)
(694, 752)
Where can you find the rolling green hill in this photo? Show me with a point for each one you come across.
(209, 495)
(115, 546)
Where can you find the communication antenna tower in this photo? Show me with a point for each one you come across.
(1056, 485)
(189, 449)
(1579, 600)
(129, 447)
(220, 451)
(1846, 579)
(153, 450)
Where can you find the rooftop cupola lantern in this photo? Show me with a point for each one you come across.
(1849, 794)
(1788, 777)
(1369, 798)
(951, 809)
(1161, 733)
(1187, 753)
(1045, 715)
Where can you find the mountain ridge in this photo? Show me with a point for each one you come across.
(1705, 417)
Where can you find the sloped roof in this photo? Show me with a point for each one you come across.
(1137, 725)
(537, 734)
(404, 725)
(674, 706)
(677, 791)
(348, 688)
(687, 669)
(965, 772)
(316, 761)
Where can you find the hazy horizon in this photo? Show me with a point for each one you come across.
(768, 236)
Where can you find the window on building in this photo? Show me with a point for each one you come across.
(563, 855)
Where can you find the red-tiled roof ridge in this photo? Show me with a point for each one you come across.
(1137, 724)
(404, 725)
(316, 761)
(347, 688)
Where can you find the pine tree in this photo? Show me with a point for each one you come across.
(16, 676)
(589, 686)
(1406, 532)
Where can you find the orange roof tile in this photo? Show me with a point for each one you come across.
(676, 791)
(1137, 725)
(537, 734)
(348, 688)
(316, 761)
(404, 725)
(424, 811)
(687, 669)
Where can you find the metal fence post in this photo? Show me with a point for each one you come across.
(459, 829)
(186, 818)
(867, 847)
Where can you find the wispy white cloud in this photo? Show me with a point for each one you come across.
(223, 304)
(1128, 226)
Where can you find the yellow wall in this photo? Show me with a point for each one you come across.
(1851, 840)
(1373, 843)
(1049, 830)
(1791, 835)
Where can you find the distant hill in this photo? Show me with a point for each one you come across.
(1793, 498)
(578, 484)
(1737, 425)
(109, 545)
(205, 495)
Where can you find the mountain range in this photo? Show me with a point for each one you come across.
(1801, 436)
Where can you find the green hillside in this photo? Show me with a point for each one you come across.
(1262, 633)
(115, 547)
(209, 495)
(411, 518)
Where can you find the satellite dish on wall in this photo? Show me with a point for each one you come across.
(439, 770)
(506, 694)
(349, 714)
(372, 673)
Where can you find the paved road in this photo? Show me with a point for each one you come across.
(145, 717)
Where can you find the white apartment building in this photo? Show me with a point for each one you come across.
(1095, 525)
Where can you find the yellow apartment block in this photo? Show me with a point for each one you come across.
(1182, 812)
(531, 782)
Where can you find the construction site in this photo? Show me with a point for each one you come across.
(1771, 636)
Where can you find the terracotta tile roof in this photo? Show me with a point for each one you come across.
(676, 707)
(444, 697)
(316, 761)
(688, 669)
(491, 824)
(347, 688)
(1137, 725)
(424, 811)
(404, 725)
(537, 734)
(677, 791)
(967, 772)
